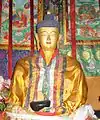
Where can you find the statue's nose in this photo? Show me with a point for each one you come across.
(48, 38)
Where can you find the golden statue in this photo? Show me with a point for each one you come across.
(48, 76)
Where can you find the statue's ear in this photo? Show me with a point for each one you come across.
(37, 41)
(60, 37)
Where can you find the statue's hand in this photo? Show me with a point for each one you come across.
(15, 109)
(14, 112)
(18, 109)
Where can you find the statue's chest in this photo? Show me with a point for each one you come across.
(55, 67)
(53, 73)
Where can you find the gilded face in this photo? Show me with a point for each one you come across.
(48, 37)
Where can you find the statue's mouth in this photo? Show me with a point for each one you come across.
(48, 42)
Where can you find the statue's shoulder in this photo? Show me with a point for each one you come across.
(72, 62)
(27, 59)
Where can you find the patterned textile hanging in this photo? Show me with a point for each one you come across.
(46, 6)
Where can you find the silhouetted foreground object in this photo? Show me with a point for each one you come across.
(38, 105)
(97, 113)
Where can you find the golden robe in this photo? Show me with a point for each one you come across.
(68, 86)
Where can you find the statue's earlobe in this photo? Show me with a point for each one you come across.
(60, 37)
(37, 41)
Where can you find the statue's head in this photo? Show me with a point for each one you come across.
(48, 32)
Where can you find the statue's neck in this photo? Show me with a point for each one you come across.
(48, 55)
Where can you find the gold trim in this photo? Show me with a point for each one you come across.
(40, 11)
(28, 47)
(92, 77)
(64, 23)
(17, 47)
(86, 42)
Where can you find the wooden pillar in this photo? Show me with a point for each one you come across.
(0, 16)
(10, 41)
(73, 27)
(32, 25)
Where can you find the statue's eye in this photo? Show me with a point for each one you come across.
(44, 34)
(52, 34)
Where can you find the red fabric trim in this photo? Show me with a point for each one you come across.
(66, 1)
(73, 27)
(2, 114)
(0, 14)
(42, 53)
(55, 85)
(32, 25)
(46, 113)
(54, 54)
(10, 41)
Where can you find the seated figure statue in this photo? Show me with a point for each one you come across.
(48, 75)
